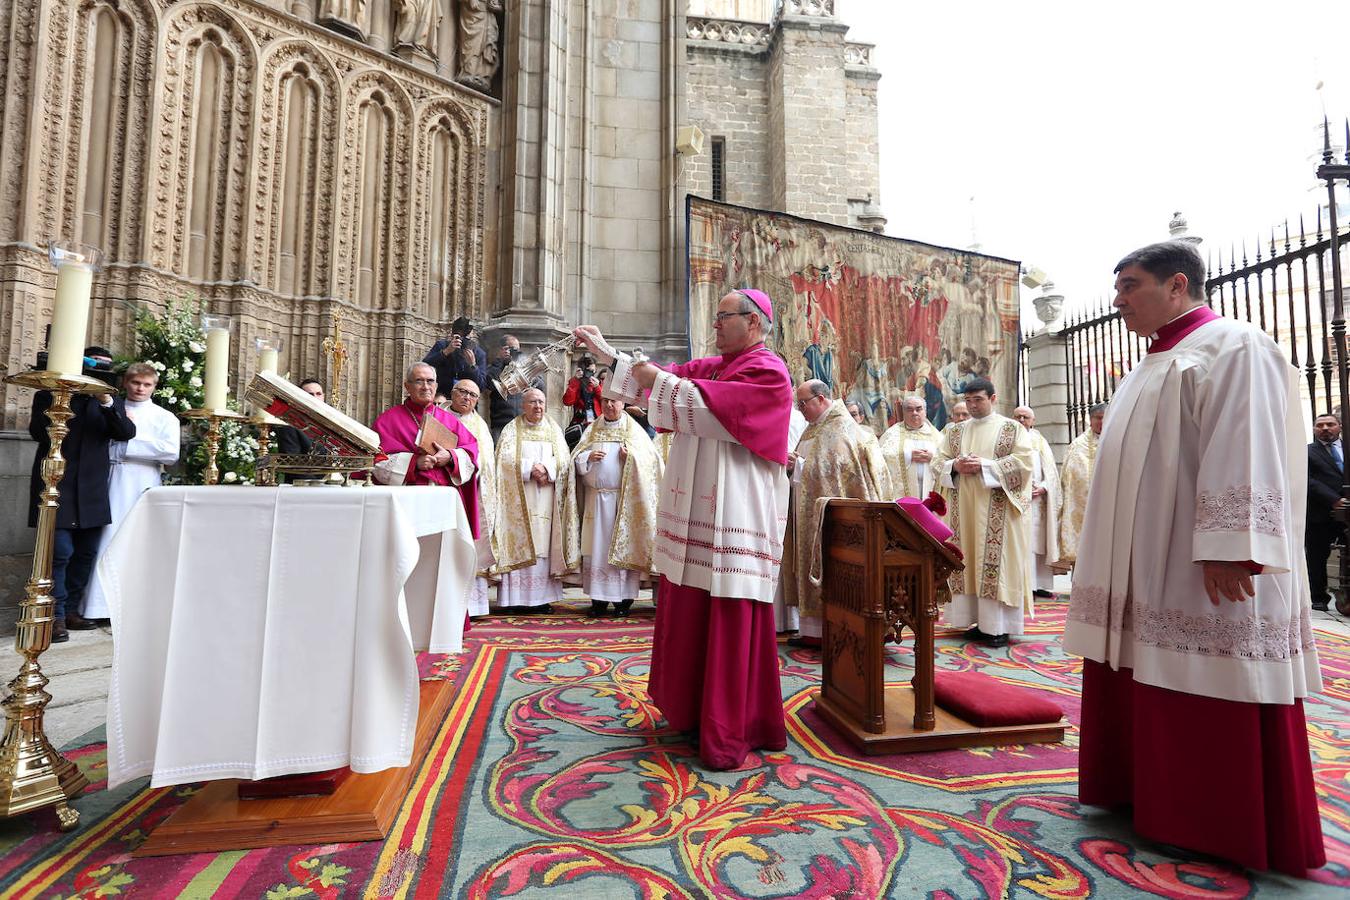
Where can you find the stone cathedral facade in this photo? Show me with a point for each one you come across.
(388, 165)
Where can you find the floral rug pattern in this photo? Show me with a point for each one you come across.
(554, 775)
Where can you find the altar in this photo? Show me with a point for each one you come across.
(271, 631)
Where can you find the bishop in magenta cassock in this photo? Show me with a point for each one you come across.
(722, 511)
(1190, 603)
(397, 427)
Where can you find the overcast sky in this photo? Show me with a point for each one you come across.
(1078, 128)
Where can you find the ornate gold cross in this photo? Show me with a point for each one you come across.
(336, 351)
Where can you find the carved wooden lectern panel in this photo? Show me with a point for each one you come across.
(882, 574)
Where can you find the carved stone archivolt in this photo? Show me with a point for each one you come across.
(227, 151)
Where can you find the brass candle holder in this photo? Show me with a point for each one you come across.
(262, 474)
(213, 418)
(33, 773)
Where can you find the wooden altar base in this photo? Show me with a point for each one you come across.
(950, 732)
(361, 809)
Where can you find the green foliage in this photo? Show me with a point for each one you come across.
(173, 343)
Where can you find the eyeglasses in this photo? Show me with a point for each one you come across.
(464, 393)
(802, 404)
(723, 316)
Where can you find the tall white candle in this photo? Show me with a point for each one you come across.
(217, 358)
(267, 360)
(75, 266)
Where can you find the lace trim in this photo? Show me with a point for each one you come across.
(1211, 634)
(1241, 508)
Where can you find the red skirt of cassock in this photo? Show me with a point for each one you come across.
(1232, 780)
(715, 669)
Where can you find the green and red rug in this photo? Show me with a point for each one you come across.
(553, 775)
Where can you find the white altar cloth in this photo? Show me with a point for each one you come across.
(271, 631)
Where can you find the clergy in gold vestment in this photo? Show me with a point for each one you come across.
(535, 539)
(464, 404)
(833, 459)
(984, 468)
(1079, 462)
(1043, 513)
(620, 473)
(909, 447)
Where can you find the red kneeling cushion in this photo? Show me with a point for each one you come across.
(985, 701)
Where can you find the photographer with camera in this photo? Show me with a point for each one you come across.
(459, 356)
(583, 395)
(84, 508)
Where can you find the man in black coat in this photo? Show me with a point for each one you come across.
(1326, 466)
(458, 357)
(83, 511)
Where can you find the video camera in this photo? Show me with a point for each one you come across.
(102, 369)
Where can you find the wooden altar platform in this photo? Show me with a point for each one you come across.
(362, 808)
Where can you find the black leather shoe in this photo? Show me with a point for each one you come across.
(622, 608)
(1043, 594)
(59, 633)
(1321, 605)
(598, 609)
(998, 640)
(973, 633)
(77, 622)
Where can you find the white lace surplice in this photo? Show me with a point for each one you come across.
(1201, 459)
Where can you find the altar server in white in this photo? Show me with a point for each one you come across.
(136, 464)
(1190, 601)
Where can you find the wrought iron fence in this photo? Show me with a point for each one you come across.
(1290, 287)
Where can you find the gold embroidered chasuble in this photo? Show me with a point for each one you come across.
(985, 510)
(905, 475)
(487, 488)
(513, 535)
(835, 459)
(639, 492)
(663, 441)
(1079, 462)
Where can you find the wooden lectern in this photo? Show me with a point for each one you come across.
(883, 573)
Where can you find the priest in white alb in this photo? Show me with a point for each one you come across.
(620, 479)
(834, 458)
(1190, 602)
(536, 539)
(137, 464)
(1043, 513)
(722, 512)
(984, 469)
(464, 397)
(1079, 461)
(909, 447)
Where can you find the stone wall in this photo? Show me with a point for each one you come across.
(795, 103)
(236, 153)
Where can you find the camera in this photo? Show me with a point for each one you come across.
(102, 369)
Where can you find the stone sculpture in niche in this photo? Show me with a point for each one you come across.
(417, 19)
(344, 16)
(478, 34)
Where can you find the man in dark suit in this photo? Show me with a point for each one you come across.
(1326, 466)
(84, 510)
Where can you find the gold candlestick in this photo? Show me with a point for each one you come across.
(213, 418)
(262, 477)
(33, 773)
(336, 352)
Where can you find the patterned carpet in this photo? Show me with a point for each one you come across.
(553, 775)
